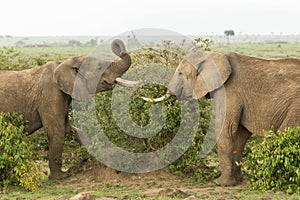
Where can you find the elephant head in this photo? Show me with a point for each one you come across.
(82, 76)
(198, 74)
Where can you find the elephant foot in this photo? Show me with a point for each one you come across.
(225, 181)
(239, 178)
(238, 175)
(58, 175)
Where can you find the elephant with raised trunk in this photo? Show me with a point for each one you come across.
(250, 95)
(43, 94)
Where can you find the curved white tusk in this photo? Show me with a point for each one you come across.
(128, 83)
(157, 99)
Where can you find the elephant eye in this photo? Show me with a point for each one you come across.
(199, 67)
(101, 67)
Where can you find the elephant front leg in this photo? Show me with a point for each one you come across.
(242, 137)
(226, 161)
(227, 124)
(55, 157)
(55, 129)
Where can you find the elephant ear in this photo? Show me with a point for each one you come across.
(69, 81)
(213, 70)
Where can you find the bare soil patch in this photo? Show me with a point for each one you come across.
(156, 184)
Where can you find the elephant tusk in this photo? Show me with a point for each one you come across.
(127, 83)
(167, 95)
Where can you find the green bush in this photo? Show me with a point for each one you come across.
(273, 164)
(16, 156)
(10, 59)
(168, 54)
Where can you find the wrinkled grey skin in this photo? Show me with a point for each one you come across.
(43, 94)
(260, 94)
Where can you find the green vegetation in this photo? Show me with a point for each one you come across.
(11, 59)
(168, 54)
(66, 51)
(273, 164)
(17, 165)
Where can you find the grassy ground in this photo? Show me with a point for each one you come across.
(105, 182)
(271, 51)
(63, 50)
(263, 50)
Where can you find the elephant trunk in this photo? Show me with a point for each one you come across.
(120, 67)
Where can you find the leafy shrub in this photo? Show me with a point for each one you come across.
(10, 59)
(16, 155)
(46, 57)
(170, 54)
(167, 54)
(273, 164)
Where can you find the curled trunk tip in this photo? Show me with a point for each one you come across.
(118, 47)
(121, 66)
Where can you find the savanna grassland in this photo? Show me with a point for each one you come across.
(169, 183)
(263, 50)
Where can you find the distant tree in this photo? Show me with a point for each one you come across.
(20, 43)
(74, 43)
(92, 42)
(132, 40)
(229, 33)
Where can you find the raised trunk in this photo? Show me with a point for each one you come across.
(120, 67)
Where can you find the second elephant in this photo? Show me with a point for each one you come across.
(250, 95)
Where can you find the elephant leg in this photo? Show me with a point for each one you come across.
(226, 145)
(55, 157)
(241, 138)
(226, 161)
(55, 129)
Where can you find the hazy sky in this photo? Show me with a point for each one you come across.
(111, 17)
